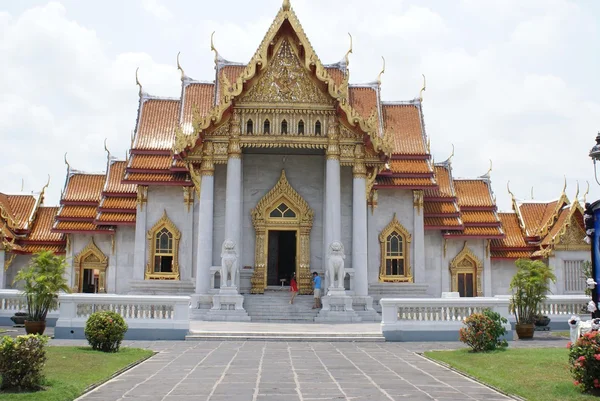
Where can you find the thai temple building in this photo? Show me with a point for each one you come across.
(282, 157)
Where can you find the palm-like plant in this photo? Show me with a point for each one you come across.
(529, 287)
(42, 281)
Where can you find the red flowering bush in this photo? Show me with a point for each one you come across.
(105, 331)
(484, 331)
(584, 358)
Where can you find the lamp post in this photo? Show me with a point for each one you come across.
(592, 228)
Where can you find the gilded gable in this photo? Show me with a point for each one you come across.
(286, 81)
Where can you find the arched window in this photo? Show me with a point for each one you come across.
(163, 251)
(465, 273)
(300, 127)
(249, 127)
(318, 128)
(284, 127)
(395, 261)
(267, 127)
(283, 212)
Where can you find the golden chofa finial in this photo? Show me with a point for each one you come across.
(509, 191)
(46, 186)
(452, 155)
(137, 80)
(179, 67)
(576, 192)
(423, 88)
(347, 56)
(489, 170)
(587, 191)
(564, 187)
(286, 5)
(67, 163)
(213, 48)
(382, 71)
(106, 149)
(532, 193)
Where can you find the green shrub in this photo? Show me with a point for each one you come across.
(484, 331)
(584, 357)
(105, 331)
(21, 362)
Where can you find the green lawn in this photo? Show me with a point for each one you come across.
(536, 374)
(70, 370)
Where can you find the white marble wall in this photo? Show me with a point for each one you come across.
(18, 263)
(399, 201)
(123, 270)
(502, 273)
(557, 262)
(434, 267)
(170, 199)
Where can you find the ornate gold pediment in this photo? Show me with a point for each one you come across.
(467, 262)
(90, 257)
(570, 238)
(285, 80)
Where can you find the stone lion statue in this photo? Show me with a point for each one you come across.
(335, 265)
(228, 262)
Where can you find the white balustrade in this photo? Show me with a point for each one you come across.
(139, 311)
(13, 301)
(564, 305)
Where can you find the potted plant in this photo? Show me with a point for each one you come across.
(529, 287)
(541, 320)
(42, 280)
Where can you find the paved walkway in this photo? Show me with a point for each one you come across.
(273, 328)
(278, 371)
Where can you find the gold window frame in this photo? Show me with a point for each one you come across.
(163, 222)
(466, 262)
(395, 226)
(90, 257)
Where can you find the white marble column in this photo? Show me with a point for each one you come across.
(139, 255)
(487, 271)
(233, 200)
(446, 286)
(359, 230)
(205, 221)
(418, 238)
(2, 271)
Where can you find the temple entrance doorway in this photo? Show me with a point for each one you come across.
(281, 259)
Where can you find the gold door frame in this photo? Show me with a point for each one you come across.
(467, 262)
(302, 223)
(90, 257)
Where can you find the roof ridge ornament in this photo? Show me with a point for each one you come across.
(179, 67)
(22, 183)
(347, 56)
(382, 72)
(509, 191)
(44, 188)
(106, 149)
(576, 193)
(587, 191)
(213, 48)
(67, 163)
(532, 192)
(564, 187)
(286, 6)
(423, 88)
(137, 81)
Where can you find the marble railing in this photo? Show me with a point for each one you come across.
(13, 301)
(561, 307)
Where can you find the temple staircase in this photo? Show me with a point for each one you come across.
(396, 290)
(274, 306)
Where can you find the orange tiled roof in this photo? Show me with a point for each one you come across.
(536, 215)
(510, 254)
(406, 181)
(22, 208)
(479, 231)
(232, 71)
(42, 226)
(442, 221)
(116, 217)
(444, 180)
(142, 177)
(77, 212)
(336, 74)
(150, 162)
(78, 226)
(564, 214)
(512, 230)
(479, 216)
(36, 248)
(440, 207)
(410, 166)
(116, 172)
(84, 188)
(363, 100)
(473, 193)
(197, 96)
(119, 203)
(404, 122)
(156, 130)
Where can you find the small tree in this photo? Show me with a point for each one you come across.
(43, 279)
(529, 287)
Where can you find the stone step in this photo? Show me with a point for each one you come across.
(274, 338)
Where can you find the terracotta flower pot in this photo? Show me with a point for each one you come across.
(525, 331)
(35, 327)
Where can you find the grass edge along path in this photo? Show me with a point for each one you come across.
(73, 371)
(535, 374)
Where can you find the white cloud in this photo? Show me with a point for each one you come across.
(158, 10)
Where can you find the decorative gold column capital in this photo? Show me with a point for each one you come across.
(208, 166)
(234, 149)
(359, 169)
(142, 196)
(418, 200)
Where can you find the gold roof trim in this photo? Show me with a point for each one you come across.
(234, 89)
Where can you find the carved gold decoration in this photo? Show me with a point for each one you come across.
(418, 200)
(112, 244)
(92, 258)
(9, 260)
(164, 222)
(467, 262)
(68, 244)
(142, 196)
(188, 197)
(280, 43)
(285, 81)
(394, 226)
(445, 246)
(347, 56)
(207, 167)
(372, 200)
(488, 244)
(195, 176)
(302, 223)
(234, 150)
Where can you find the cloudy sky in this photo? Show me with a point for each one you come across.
(509, 80)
